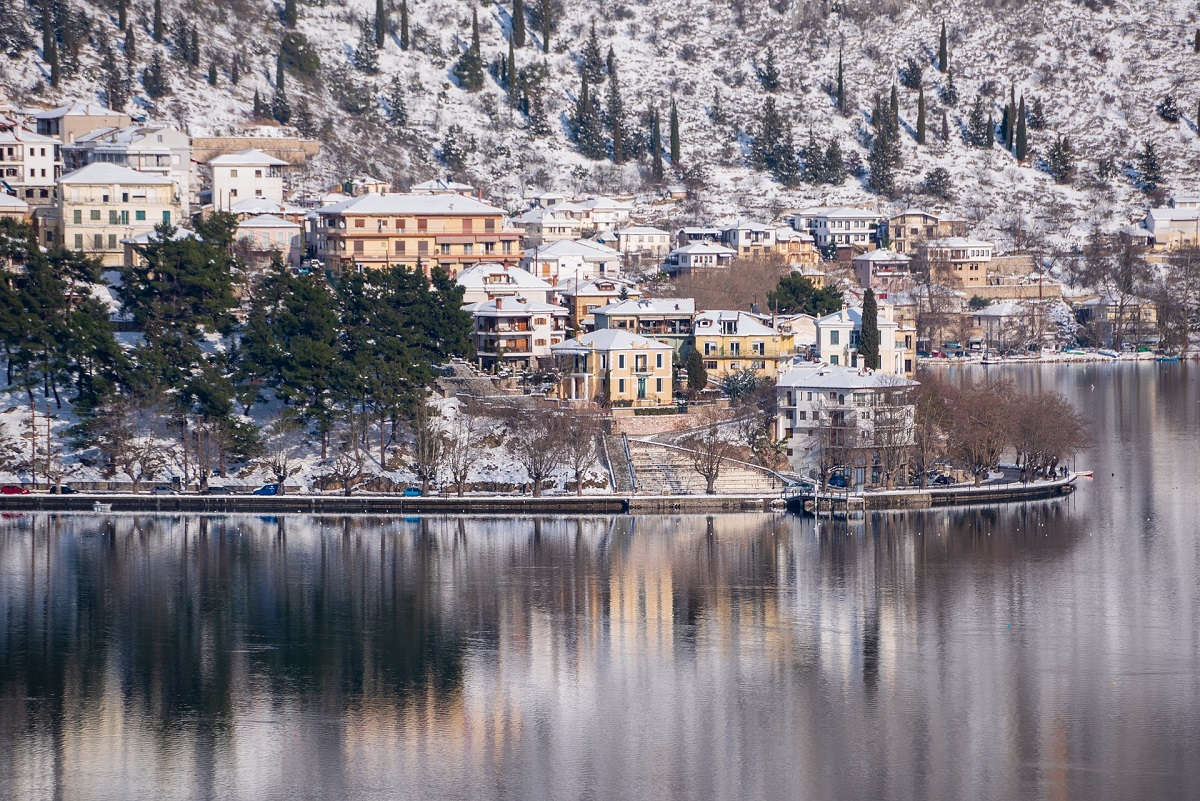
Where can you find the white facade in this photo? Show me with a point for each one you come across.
(485, 282)
(515, 332)
(248, 174)
(1175, 227)
(578, 260)
(155, 149)
(642, 239)
(747, 237)
(542, 226)
(700, 255)
(267, 233)
(837, 339)
(30, 164)
(838, 226)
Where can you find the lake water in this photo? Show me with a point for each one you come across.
(1048, 650)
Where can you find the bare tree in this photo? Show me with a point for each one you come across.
(428, 444)
(350, 459)
(1046, 430)
(537, 446)
(892, 427)
(931, 421)
(981, 420)
(1115, 266)
(578, 429)
(464, 443)
(130, 433)
(281, 447)
(709, 450)
(744, 282)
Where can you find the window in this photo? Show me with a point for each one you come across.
(113, 217)
(167, 217)
(467, 225)
(78, 216)
(468, 249)
(97, 241)
(658, 385)
(539, 342)
(658, 362)
(621, 361)
(112, 241)
(79, 241)
(233, 173)
(422, 248)
(360, 223)
(124, 197)
(835, 338)
(758, 348)
(399, 225)
(139, 215)
(258, 173)
(735, 348)
(445, 249)
(641, 388)
(621, 386)
(833, 360)
(422, 224)
(358, 246)
(258, 193)
(710, 348)
(801, 415)
(489, 226)
(399, 246)
(95, 215)
(711, 365)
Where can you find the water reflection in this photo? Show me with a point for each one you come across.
(728, 656)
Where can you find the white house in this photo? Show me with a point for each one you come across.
(1174, 227)
(882, 269)
(246, 174)
(642, 239)
(699, 255)
(489, 281)
(266, 233)
(514, 332)
(158, 149)
(30, 163)
(848, 227)
(838, 333)
(442, 186)
(543, 226)
(575, 259)
(964, 258)
(749, 237)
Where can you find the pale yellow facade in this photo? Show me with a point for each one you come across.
(101, 205)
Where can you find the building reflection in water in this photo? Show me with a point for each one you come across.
(750, 656)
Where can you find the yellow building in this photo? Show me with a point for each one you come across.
(732, 341)
(447, 231)
(617, 368)
(101, 205)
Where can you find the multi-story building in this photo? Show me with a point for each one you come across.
(908, 229)
(514, 332)
(798, 248)
(67, 123)
(733, 341)
(157, 149)
(267, 234)
(615, 367)
(838, 338)
(883, 270)
(665, 319)
(639, 240)
(958, 259)
(582, 298)
(697, 256)
(245, 174)
(832, 417)
(490, 281)
(546, 226)
(848, 230)
(447, 231)
(572, 260)
(102, 204)
(1175, 226)
(13, 208)
(749, 238)
(30, 164)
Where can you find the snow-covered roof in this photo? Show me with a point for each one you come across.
(407, 203)
(7, 201)
(76, 109)
(852, 315)
(704, 249)
(600, 286)
(609, 339)
(1004, 308)
(957, 242)
(103, 173)
(641, 230)
(573, 247)
(698, 231)
(251, 157)
(1167, 214)
(263, 205)
(742, 225)
(745, 323)
(439, 186)
(882, 256)
(544, 215)
(130, 134)
(146, 237)
(788, 234)
(511, 307)
(267, 221)
(604, 203)
(646, 307)
(19, 134)
(825, 376)
(476, 277)
(840, 213)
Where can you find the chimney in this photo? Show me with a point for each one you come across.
(499, 304)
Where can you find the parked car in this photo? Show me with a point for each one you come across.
(412, 492)
(13, 489)
(163, 489)
(267, 489)
(65, 489)
(837, 480)
(943, 480)
(215, 489)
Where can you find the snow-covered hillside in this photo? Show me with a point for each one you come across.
(1099, 72)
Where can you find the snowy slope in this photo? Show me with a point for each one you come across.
(1099, 74)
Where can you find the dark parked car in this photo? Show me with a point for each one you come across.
(837, 480)
(943, 480)
(64, 490)
(213, 489)
(13, 489)
(267, 489)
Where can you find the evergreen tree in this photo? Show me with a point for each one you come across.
(615, 111)
(404, 25)
(154, 78)
(457, 147)
(469, 69)
(260, 111)
(894, 110)
(235, 70)
(768, 73)
(281, 110)
(518, 23)
(195, 48)
(512, 82)
(697, 376)
(773, 148)
(795, 294)
(1022, 136)
(586, 127)
(835, 164)
(212, 73)
(546, 10)
(949, 91)
(159, 28)
(116, 88)
(592, 59)
(911, 73)
(1168, 109)
(1196, 43)
(991, 128)
(675, 144)
(943, 50)
(289, 13)
(182, 40)
(1150, 168)
(840, 90)
(656, 147)
(717, 112)
(380, 24)
(279, 70)
(130, 44)
(979, 130)
(945, 126)
(366, 55)
(302, 118)
(921, 116)
(1060, 161)
(48, 33)
(397, 110)
(1037, 117)
(868, 337)
(122, 14)
(55, 68)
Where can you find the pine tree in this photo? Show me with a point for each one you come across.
(235, 70)
(281, 110)
(717, 111)
(159, 28)
(675, 149)
(154, 78)
(593, 59)
(921, 116)
(302, 118)
(979, 130)
(518, 23)
(380, 24)
(366, 55)
(1022, 137)
(212, 73)
(469, 69)
(1168, 109)
(397, 110)
(1060, 161)
(182, 40)
(949, 90)
(289, 13)
(773, 148)
(130, 44)
(403, 24)
(116, 89)
(1150, 169)
(868, 337)
(615, 111)
(585, 123)
(546, 9)
(945, 126)
(943, 51)
(835, 164)
(1037, 117)
(768, 73)
(656, 147)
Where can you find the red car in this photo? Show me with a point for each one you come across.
(13, 489)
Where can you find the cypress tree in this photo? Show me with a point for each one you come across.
(1022, 138)
(943, 50)
(894, 109)
(1010, 119)
(235, 70)
(518, 23)
(512, 82)
(380, 24)
(130, 44)
(675, 154)
(403, 24)
(717, 112)
(656, 147)
(921, 116)
(212, 73)
(868, 337)
(47, 32)
(469, 69)
(281, 110)
(122, 14)
(279, 70)
(545, 10)
(259, 111)
(159, 29)
(991, 131)
(1196, 43)
(697, 376)
(840, 95)
(55, 70)
(289, 13)
(195, 49)
(945, 126)
(615, 111)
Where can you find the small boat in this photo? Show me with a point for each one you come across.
(101, 507)
(1112, 354)
(1164, 358)
(1084, 473)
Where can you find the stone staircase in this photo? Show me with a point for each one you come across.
(614, 453)
(665, 470)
